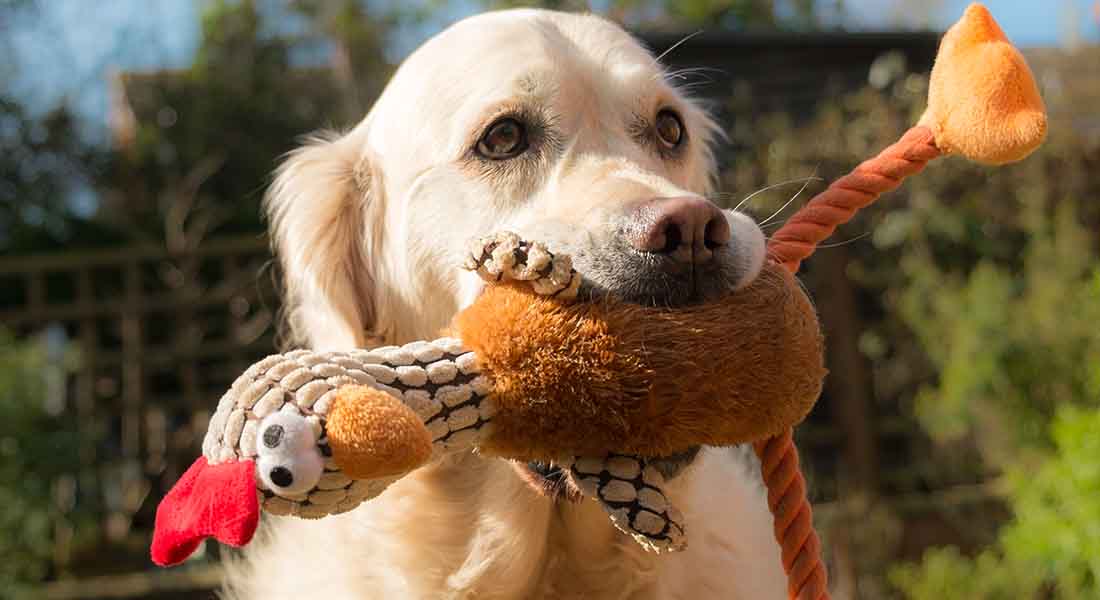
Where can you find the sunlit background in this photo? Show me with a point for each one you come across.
(954, 454)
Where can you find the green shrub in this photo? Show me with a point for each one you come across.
(39, 456)
(1051, 548)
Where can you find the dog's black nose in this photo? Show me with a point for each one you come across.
(686, 229)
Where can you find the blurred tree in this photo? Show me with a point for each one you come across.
(1012, 344)
(358, 57)
(996, 282)
(1017, 348)
(196, 148)
(193, 150)
(46, 169)
(197, 145)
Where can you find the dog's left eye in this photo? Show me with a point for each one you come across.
(670, 129)
(506, 138)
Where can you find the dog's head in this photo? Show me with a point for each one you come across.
(559, 127)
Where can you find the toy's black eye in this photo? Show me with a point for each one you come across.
(504, 139)
(281, 476)
(273, 436)
(670, 129)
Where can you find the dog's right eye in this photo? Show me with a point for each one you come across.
(504, 139)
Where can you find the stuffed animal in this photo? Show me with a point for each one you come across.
(610, 390)
(531, 374)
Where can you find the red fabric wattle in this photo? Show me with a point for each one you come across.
(216, 501)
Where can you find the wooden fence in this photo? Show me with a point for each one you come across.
(157, 336)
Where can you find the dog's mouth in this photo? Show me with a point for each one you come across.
(661, 290)
(654, 281)
(555, 481)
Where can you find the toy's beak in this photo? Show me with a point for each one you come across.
(216, 501)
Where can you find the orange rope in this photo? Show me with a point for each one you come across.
(794, 526)
(796, 240)
(839, 202)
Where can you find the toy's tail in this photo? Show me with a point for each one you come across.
(800, 235)
(984, 104)
(796, 240)
(793, 518)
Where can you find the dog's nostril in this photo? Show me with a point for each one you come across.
(673, 238)
(716, 233)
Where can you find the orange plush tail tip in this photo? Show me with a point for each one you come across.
(983, 102)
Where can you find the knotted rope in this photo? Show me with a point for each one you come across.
(796, 240)
(835, 206)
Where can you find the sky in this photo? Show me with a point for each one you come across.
(1027, 23)
(67, 51)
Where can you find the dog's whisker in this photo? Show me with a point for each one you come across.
(803, 180)
(844, 242)
(824, 246)
(683, 83)
(677, 44)
(788, 202)
(688, 79)
(680, 73)
(691, 85)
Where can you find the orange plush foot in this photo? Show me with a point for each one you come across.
(982, 100)
(374, 435)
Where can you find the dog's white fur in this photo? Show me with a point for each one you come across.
(370, 226)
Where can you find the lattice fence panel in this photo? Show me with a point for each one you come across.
(157, 338)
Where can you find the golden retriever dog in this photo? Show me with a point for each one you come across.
(564, 129)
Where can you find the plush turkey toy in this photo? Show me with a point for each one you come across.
(532, 375)
(609, 389)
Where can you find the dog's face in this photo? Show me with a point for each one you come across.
(559, 127)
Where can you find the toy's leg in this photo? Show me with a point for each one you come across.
(504, 256)
(631, 491)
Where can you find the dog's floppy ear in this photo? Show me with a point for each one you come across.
(318, 209)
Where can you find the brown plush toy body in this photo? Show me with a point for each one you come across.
(607, 376)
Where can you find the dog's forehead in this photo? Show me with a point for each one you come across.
(510, 52)
(497, 56)
(503, 39)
